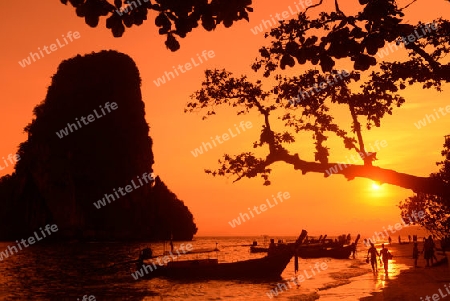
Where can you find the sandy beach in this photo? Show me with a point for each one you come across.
(414, 283)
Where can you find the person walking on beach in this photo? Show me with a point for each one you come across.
(390, 240)
(427, 247)
(385, 257)
(433, 248)
(373, 257)
(415, 254)
(353, 250)
(428, 251)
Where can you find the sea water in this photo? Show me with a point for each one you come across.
(69, 271)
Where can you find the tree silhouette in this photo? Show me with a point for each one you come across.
(357, 38)
(437, 208)
(175, 17)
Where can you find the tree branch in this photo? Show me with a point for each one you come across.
(417, 184)
(435, 66)
(357, 128)
(312, 6)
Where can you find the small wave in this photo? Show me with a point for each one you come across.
(348, 273)
(305, 297)
(334, 284)
(343, 277)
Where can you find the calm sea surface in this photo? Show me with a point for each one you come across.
(56, 271)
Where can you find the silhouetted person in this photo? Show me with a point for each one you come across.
(140, 261)
(399, 240)
(373, 257)
(354, 250)
(390, 240)
(427, 251)
(433, 246)
(409, 238)
(415, 254)
(385, 256)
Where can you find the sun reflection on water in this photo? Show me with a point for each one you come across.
(381, 278)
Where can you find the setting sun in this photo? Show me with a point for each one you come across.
(376, 186)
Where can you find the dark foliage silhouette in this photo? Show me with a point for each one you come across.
(175, 17)
(58, 179)
(437, 208)
(370, 95)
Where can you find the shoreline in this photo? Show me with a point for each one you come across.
(413, 283)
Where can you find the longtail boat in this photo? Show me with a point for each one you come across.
(342, 252)
(318, 251)
(268, 268)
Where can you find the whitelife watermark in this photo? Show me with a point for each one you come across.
(53, 47)
(423, 122)
(199, 151)
(394, 46)
(437, 297)
(12, 160)
(9, 251)
(86, 120)
(331, 80)
(124, 9)
(297, 279)
(86, 298)
(165, 259)
(366, 155)
(398, 226)
(281, 196)
(284, 15)
(188, 66)
(129, 188)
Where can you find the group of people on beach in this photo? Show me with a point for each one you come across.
(384, 256)
(428, 251)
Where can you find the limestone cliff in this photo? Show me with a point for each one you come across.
(89, 138)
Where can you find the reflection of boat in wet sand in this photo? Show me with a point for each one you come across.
(268, 267)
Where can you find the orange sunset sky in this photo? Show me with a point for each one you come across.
(320, 205)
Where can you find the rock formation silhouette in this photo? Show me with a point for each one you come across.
(59, 177)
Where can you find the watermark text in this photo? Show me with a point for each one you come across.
(263, 207)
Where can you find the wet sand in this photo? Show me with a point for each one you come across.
(414, 283)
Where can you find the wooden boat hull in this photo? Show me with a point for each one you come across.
(254, 249)
(267, 268)
(319, 252)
